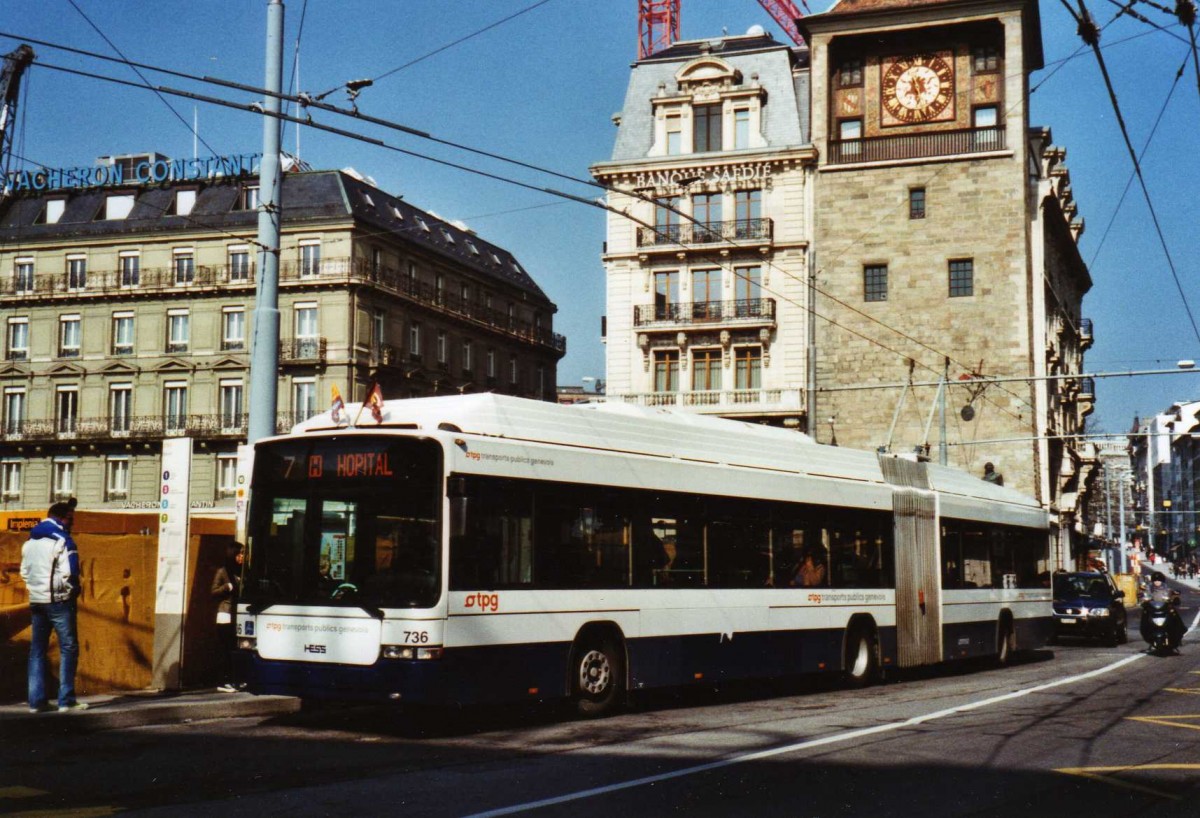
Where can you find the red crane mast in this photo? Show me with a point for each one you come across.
(658, 22)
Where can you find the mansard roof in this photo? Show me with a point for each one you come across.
(311, 197)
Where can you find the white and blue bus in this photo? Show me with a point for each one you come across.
(485, 548)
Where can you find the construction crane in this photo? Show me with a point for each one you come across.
(10, 88)
(658, 22)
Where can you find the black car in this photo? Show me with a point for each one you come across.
(1088, 604)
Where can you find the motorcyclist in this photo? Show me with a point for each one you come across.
(1159, 591)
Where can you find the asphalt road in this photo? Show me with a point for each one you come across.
(1076, 730)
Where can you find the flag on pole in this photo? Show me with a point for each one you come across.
(337, 408)
(375, 402)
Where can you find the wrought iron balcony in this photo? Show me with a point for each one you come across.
(916, 146)
(145, 280)
(728, 401)
(126, 427)
(753, 230)
(743, 311)
(1085, 333)
(302, 350)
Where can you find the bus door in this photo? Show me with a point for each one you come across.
(918, 565)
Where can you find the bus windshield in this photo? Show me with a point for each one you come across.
(345, 520)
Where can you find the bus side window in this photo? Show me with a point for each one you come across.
(951, 555)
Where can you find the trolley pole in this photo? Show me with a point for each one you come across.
(264, 357)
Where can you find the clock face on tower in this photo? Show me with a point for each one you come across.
(918, 88)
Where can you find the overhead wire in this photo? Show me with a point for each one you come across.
(141, 76)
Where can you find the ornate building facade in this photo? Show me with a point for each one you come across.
(127, 315)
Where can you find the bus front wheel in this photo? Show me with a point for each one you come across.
(597, 677)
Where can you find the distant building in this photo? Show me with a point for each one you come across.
(127, 317)
(1166, 474)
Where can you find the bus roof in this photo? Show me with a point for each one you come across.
(653, 432)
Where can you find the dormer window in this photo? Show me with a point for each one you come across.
(247, 198)
(447, 236)
(52, 212)
(117, 206)
(706, 128)
(724, 113)
(185, 200)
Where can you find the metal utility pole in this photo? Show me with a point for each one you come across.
(264, 358)
(811, 401)
(1121, 512)
(943, 451)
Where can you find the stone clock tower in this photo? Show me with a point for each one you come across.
(944, 230)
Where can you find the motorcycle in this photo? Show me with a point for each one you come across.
(1158, 626)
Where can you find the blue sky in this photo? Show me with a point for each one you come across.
(543, 86)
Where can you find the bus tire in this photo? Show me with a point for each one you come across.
(1004, 642)
(862, 656)
(597, 676)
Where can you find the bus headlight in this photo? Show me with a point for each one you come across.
(408, 652)
(1100, 612)
(247, 643)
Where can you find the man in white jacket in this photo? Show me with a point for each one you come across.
(50, 568)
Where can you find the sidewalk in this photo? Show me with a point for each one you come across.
(140, 708)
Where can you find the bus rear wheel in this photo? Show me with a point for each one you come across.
(597, 677)
(862, 658)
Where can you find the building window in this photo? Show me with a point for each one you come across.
(706, 211)
(442, 352)
(747, 282)
(177, 330)
(304, 398)
(986, 116)
(674, 124)
(412, 276)
(414, 340)
(378, 323)
(239, 263)
(706, 370)
(226, 475)
(53, 212)
(310, 259)
(231, 405)
(131, 266)
(376, 260)
(706, 128)
(468, 363)
(541, 381)
(666, 370)
(64, 479)
(120, 407)
(666, 218)
(849, 129)
(985, 59)
(850, 72)
(116, 479)
(747, 209)
(741, 128)
(706, 294)
(986, 119)
(916, 203)
(962, 277)
(308, 338)
(175, 406)
(747, 367)
(666, 293)
(439, 289)
(23, 275)
(117, 206)
(17, 342)
(76, 272)
(233, 328)
(67, 409)
(14, 411)
(122, 333)
(70, 329)
(512, 369)
(10, 478)
(184, 264)
(875, 282)
(464, 295)
(185, 200)
(491, 364)
(247, 198)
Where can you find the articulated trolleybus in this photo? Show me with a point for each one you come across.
(485, 548)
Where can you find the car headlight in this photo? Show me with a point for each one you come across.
(408, 652)
(1101, 612)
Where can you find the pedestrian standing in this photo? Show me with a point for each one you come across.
(50, 568)
(227, 587)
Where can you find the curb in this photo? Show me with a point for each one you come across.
(117, 712)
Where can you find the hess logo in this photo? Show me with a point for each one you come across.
(314, 648)
(484, 602)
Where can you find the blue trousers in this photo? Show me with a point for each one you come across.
(59, 617)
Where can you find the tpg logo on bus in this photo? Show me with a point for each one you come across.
(484, 602)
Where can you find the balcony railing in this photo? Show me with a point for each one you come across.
(1085, 332)
(747, 310)
(711, 233)
(718, 401)
(140, 427)
(147, 280)
(916, 146)
(302, 350)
